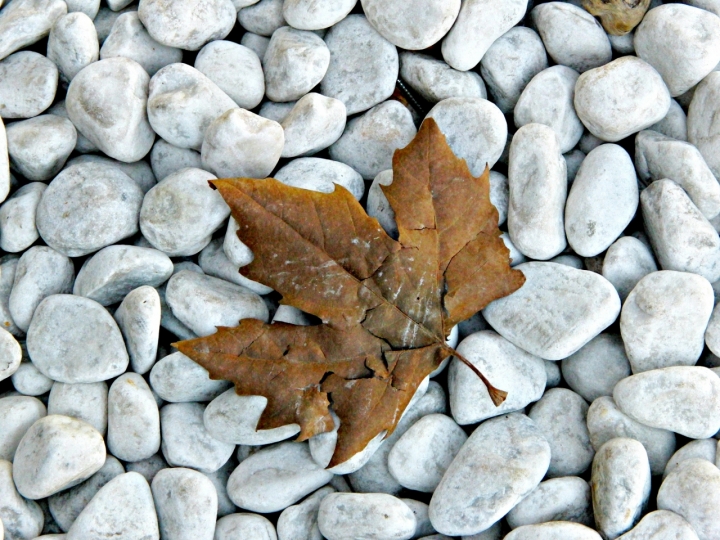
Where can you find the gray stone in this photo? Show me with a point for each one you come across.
(187, 24)
(75, 340)
(537, 180)
(257, 44)
(84, 401)
(701, 448)
(552, 371)
(21, 518)
(39, 147)
(28, 82)
(73, 44)
(435, 81)
(105, 19)
(17, 414)
(263, 17)
(133, 419)
(139, 172)
(28, 380)
(621, 98)
(214, 262)
(674, 125)
(316, 14)
(276, 111)
(573, 160)
(661, 525)
(572, 36)
(702, 121)
(377, 204)
(313, 124)
(149, 467)
(177, 379)
(8, 266)
(299, 522)
(559, 499)
(363, 65)
(138, 318)
(344, 516)
(626, 262)
(319, 174)
(594, 370)
(17, 218)
(90, 7)
(27, 21)
(245, 527)
(166, 159)
(219, 479)
(186, 504)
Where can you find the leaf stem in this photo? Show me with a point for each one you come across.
(497, 395)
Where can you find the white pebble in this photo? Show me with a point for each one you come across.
(28, 82)
(17, 218)
(343, 516)
(186, 503)
(177, 379)
(27, 21)
(313, 124)
(594, 370)
(84, 401)
(321, 175)
(133, 419)
(702, 121)
(626, 262)
(73, 44)
(435, 81)
(138, 318)
(17, 414)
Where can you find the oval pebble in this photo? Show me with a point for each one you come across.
(21, 518)
(626, 262)
(316, 14)
(365, 515)
(300, 520)
(700, 448)
(83, 401)
(133, 419)
(559, 499)
(318, 174)
(244, 527)
(177, 379)
(553, 530)
(702, 118)
(17, 218)
(313, 124)
(38, 147)
(263, 17)
(435, 81)
(166, 159)
(28, 82)
(28, 380)
(10, 355)
(138, 318)
(661, 525)
(17, 414)
(26, 22)
(73, 44)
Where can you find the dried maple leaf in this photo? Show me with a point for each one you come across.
(387, 307)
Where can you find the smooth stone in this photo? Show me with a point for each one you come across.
(233, 419)
(186, 504)
(28, 82)
(573, 160)
(186, 442)
(713, 6)
(661, 525)
(299, 521)
(363, 65)
(606, 421)
(17, 414)
(67, 505)
(419, 459)
(28, 380)
(10, 355)
(17, 218)
(263, 17)
(219, 479)
(139, 172)
(420, 509)
(511, 455)
(692, 491)
(276, 477)
(702, 123)
(166, 159)
(313, 124)
(620, 98)
(674, 125)
(583, 305)
(73, 44)
(478, 25)
(214, 262)
(701, 448)
(170, 322)
(239, 143)
(133, 419)
(129, 39)
(344, 516)
(682, 399)
(681, 42)
(510, 63)
(180, 214)
(182, 103)
(87, 207)
(621, 485)
(6, 179)
(626, 262)
(56, 453)
(113, 272)
(321, 175)
(571, 450)
(245, 527)
(475, 130)
(235, 69)
(658, 157)
(257, 44)
(572, 36)
(559, 499)
(138, 318)
(316, 14)
(27, 21)
(276, 111)
(123, 508)
(177, 379)
(105, 19)
(681, 237)
(294, 63)
(75, 340)
(508, 367)
(149, 467)
(187, 24)
(553, 530)
(39, 147)
(663, 320)
(435, 81)
(378, 206)
(537, 180)
(548, 99)
(603, 199)
(21, 518)
(369, 140)
(8, 267)
(595, 369)
(84, 401)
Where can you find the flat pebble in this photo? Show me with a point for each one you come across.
(275, 477)
(313, 124)
(571, 451)
(510, 454)
(594, 370)
(177, 379)
(553, 530)
(26, 22)
(180, 214)
(508, 367)
(166, 159)
(572, 36)
(263, 17)
(17, 414)
(478, 25)
(133, 419)
(84, 401)
(702, 120)
(87, 207)
(138, 318)
(75, 340)
(73, 44)
(661, 525)
(435, 81)
(182, 103)
(318, 174)
(235, 69)
(369, 141)
(626, 262)
(701, 448)
(129, 39)
(245, 527)
(123, 507)
(17, 218)
(664, 318)
(683, 399)
(608, 101)
(28, 82)
(187, 24)
(186, 503)
(39, 147)
(28, 380)
(602, 201)
(300, 520)
(537, 181)
(363, 65)
(343, 516)
(56, 453)
(21, 518)
(559, 499)
(316, 14)
(474, 128)
(240, 143)
(681, 42)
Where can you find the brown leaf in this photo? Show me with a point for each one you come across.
(387, 307)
